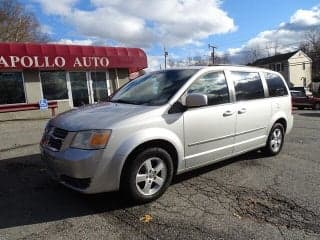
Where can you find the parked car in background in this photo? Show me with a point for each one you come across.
(165, 123)
(301, 100)
(302, 89)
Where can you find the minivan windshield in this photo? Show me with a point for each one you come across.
(153, 89)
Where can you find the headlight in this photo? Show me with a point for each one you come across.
(93, 139)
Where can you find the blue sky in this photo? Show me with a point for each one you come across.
(254, 16)
(184, 27)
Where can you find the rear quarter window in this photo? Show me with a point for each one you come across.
(275, 85)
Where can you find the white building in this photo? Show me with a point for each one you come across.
(296, 67)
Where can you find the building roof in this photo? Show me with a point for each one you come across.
(69, 57)
(274, 59)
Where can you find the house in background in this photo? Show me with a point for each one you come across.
(296, 67)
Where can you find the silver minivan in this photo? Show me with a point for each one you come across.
(165, 123)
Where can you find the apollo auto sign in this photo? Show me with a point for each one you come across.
(56, 62)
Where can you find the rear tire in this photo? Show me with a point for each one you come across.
(275, 140)
(148, 175)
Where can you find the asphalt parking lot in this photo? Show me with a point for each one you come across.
(247, 197)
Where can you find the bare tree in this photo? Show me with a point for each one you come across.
(19, 25)
(253, 54)
(313, 38)
(312, 41)
(311, 46)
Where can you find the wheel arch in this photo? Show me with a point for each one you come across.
(160, 143)
(282, 121)
(280, 117)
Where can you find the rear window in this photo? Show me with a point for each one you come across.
(248, 85)
(276, 85)
(298, 94)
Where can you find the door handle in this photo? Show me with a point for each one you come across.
(242, 110)
(228, 113)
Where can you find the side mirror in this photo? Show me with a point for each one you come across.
(196, 100)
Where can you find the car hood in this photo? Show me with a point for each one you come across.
(97, 116)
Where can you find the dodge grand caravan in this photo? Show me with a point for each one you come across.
(166, 123)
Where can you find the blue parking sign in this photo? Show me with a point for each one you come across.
(43, 104)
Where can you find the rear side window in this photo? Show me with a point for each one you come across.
(214, 85)
(276, 85)
(248, 85)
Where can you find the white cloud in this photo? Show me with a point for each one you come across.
(306, 17)
(76, 42)
(146, 22)
(285, 38)
(154, 63)
(117, 26)
(57, 7)
(46, 29)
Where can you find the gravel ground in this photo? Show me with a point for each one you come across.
(247, 197)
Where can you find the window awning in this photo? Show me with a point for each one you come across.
(20, 56)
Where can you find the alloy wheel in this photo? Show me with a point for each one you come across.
(151, 176)
(276, 140)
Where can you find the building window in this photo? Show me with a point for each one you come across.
(214, 85)
(54, 85)
(248, 85)
(79, 88)
(303, 66)
(278, 67)
(99, 85)
(12, 88)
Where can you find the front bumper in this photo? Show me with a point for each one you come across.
(74, 168)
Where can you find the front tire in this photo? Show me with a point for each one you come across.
(275, 140)
(148, 175)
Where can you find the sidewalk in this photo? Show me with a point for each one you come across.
(20, 137)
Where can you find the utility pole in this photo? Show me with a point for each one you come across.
(165, 58)
(212, 54)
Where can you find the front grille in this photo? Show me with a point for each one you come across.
(60, 133)
(54, 143)
(54, 138)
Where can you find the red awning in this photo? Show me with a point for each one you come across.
(69, 57)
